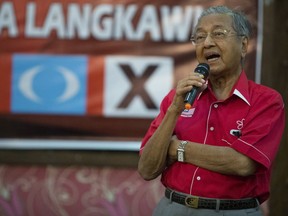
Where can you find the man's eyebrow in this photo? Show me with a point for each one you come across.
(213, 27)
(219, 26)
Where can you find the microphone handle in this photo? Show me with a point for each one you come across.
(191, 95)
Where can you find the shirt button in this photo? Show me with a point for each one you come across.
(215, 105)
(211, 128)
(198, 178)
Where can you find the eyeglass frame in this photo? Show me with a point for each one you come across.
(214, 37)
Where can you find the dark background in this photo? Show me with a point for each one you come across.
(275, 74)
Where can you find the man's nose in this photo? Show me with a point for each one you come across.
(209, 41)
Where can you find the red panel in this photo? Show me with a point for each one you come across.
(5, 82)
(95, 86)
(127, 37)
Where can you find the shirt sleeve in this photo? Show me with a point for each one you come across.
(264, 126)
(157, 121)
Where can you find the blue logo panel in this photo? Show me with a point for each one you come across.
(47, 84)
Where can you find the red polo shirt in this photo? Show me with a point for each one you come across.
(250, 121)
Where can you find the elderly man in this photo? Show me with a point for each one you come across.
(215, 158)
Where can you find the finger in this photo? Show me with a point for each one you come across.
(203, 87)
(194, 82)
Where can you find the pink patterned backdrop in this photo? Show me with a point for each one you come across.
(78, 191)
(75, 191)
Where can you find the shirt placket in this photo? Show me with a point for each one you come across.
(211, 130)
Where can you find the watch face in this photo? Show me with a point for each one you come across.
(180, 151)
(180, 156)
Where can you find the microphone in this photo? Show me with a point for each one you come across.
(203, 69)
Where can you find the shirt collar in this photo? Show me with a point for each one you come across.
(240, 89)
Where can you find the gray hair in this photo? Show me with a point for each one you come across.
(240, 22)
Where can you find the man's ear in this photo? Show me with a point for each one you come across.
(244, 49)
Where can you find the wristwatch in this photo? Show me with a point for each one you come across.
(181, 150)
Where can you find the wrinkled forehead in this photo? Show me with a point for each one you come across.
(213, 21)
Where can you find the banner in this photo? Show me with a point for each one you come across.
(97, 69)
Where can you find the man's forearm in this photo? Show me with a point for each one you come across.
(154, 155)
(224, 160)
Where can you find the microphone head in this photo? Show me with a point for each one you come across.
(203, 69)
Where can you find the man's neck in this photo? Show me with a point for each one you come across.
(222, 86)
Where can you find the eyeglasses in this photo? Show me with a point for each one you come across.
(216, 35)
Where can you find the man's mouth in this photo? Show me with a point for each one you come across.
(211, 57)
